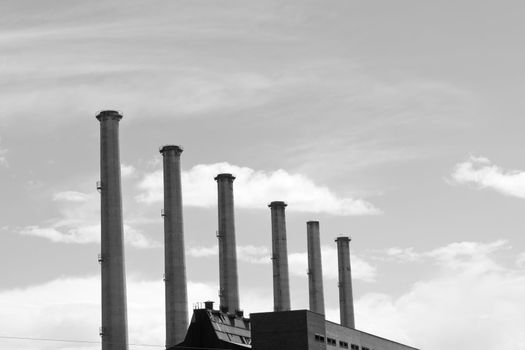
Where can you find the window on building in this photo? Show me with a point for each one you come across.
(343, 344)
(363, 348)
(319, 337)
(354, 347)
(331, 341)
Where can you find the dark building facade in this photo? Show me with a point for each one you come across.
(307, 330)
(282, 330)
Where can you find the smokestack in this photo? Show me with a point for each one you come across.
(114, 330)
(315, 268)
(281, 284)
(229, 285)
(174, 261)
(346, 300)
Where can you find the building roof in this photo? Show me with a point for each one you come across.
(216, 329)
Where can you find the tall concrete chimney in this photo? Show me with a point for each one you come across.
(229, 285)
(114, 315)
(346, 300)
(174, 261)
(281, 284)
(315, 268)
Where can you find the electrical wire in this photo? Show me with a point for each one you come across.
(99, 342)
(71, 341)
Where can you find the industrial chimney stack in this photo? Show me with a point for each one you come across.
(315, 269)
(174, 261)
(281, 284)
(346, 300)
(229, 285)
(114, 316)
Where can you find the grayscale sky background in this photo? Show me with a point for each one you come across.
(399, 123)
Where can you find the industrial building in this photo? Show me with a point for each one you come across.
(225, 327)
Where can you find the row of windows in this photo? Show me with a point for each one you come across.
(342, 344)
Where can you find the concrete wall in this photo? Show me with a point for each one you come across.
(281, 283)
(114, 308)
(302, 329)
(228, 277)
(315, 326)
(315, 268)
(174, 260)
(346, 299)
(362, 339)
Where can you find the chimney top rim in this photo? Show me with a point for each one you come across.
(277, 204)
(224, 176)
(343, 239)
(109, 113)
(167, 148)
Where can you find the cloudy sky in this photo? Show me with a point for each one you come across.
(399, 123)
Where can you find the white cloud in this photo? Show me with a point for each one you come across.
(479, 171)
(297, 262)
(250, 254)
(472, 301)
(3, 157)
(454, 307)
(79, 222)
(85, 233)
(127, 170)
(255, 189)
(200, 252)
(361, 270)
(455, 256)
(520, 260)
(69, 308)
(254, 254)
(71, 196)
(467, 255)
(403, 254)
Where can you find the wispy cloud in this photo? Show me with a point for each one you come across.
(63, 232)
(250, 254)
(361, 270)
(297, 262)
(79, 223)
(520, 260)
(254, 189)
(3, 156)
(480, 172)
(71, 196)
(457, 255)
(203, 252)
(127, 170)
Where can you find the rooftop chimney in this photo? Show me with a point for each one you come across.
(229, 285)
(174, 262)
(208, 305)
(114, 316)
(315, 269)
(281, 284)
(346, 300)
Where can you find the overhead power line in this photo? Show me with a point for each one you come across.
(99, 342)
(71, 341)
